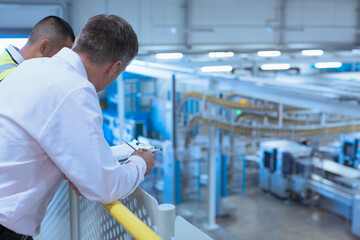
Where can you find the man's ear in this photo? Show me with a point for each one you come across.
(115, 68)
(44, 48)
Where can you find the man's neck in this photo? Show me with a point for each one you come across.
(26, 52)
(92, 70)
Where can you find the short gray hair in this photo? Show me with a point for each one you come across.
(107, 38)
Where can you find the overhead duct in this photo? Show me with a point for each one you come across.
(21, 16)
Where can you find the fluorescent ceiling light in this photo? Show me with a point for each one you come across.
(355, 51)
(268, 53)
(328, 64)
(312, 52)
(221, 54)
(169, 55)
(216, 69)
(277, 66)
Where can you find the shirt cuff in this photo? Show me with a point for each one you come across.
(138, 161)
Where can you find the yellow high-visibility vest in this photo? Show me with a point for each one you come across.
(7, 64)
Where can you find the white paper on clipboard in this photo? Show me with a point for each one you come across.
(123, 151)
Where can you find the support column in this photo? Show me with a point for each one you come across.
(323, 119)
(172, 176)
(213, 150)
(211, 223)
(121, 106)
(281, 115)
(254, 70)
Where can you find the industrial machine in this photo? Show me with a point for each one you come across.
(349, 153)
(287, 168)
(337, 184)
(278, 164)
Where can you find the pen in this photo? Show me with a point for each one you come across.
(128, 144)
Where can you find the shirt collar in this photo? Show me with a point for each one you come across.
(73, 59)
(14, 53)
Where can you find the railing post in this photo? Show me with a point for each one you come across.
(166, 221)
(74, 215)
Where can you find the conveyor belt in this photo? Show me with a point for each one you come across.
(229, 104)
(268, 131)
(331, 192)
(272, 120)
(336, 168)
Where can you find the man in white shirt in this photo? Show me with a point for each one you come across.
(51, 126)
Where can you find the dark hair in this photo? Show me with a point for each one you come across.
(56, 29)
(107, 38)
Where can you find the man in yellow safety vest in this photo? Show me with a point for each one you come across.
(47, 38)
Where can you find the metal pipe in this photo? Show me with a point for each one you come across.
(74, 202)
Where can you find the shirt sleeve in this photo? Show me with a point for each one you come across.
(73, 139)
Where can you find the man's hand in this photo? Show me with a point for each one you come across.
(73, 187)
(147, 156)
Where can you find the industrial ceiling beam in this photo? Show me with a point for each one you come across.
(250, 88)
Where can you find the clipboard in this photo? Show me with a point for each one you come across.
(122, 152)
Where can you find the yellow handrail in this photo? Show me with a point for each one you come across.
(136, 227)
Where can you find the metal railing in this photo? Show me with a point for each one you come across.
(138, 216)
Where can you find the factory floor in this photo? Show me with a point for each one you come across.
(260, 215)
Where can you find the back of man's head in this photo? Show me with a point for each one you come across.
(56, 30)
(107, 39)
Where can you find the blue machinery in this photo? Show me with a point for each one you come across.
(349, 153)
(129, 113)
(278, 163)
(131, 110)
(138, 91)
(287, 170)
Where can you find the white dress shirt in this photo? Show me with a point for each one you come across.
(51, 126)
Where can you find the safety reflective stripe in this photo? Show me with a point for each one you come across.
(3, 74)
(7, 66)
